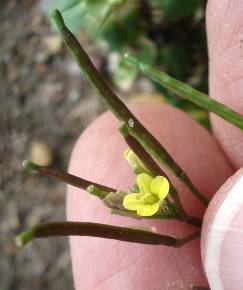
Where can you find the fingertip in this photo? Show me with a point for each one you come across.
(222, 236)
(225, 49)
(98, 157)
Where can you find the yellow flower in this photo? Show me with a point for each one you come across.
(152, 192)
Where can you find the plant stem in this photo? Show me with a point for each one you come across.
(93, 188)
(97, 191)
(102, 231)
(23, 238)
(189, 93)
(119, 109)
(155, 170)
(68, 178)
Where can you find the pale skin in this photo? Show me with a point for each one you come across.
(209, 161)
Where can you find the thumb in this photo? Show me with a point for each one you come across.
(222, 236)
(225, 44)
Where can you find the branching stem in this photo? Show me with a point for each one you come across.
(174, 200)
(119, 108)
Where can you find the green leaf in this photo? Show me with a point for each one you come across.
(123, 73)
(100, 9)
(147, 50)
(177, 60)
(73, 12)
(62, 5)
(177, 9)
(123, 27)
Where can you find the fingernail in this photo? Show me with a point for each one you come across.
(223, 245)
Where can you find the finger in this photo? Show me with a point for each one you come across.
(222, 236)
(110, 264)
(225, 43)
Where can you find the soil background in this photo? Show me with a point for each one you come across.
(45, 104)
(43, 98)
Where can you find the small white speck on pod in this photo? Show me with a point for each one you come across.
(131, 122)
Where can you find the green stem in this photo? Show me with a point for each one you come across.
(97, 191)
(68, 178)
(155, 170)
(189, 93)
(55, 229)
(23, 238)
(93, 188)
(119, 109)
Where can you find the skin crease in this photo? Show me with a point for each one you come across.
(107, 264)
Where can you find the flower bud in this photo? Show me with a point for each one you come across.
(115, 199)
(133, 160)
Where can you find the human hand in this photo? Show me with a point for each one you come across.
(222, 235)
(110, 264)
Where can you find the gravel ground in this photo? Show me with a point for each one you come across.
(44, 106)
(43, 98)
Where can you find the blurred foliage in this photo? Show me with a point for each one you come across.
(177, 9)
(167, 33)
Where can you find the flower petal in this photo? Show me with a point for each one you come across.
(144, 182)
(149, 198)
(148, 210)
(160, 186)
(132, 201)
